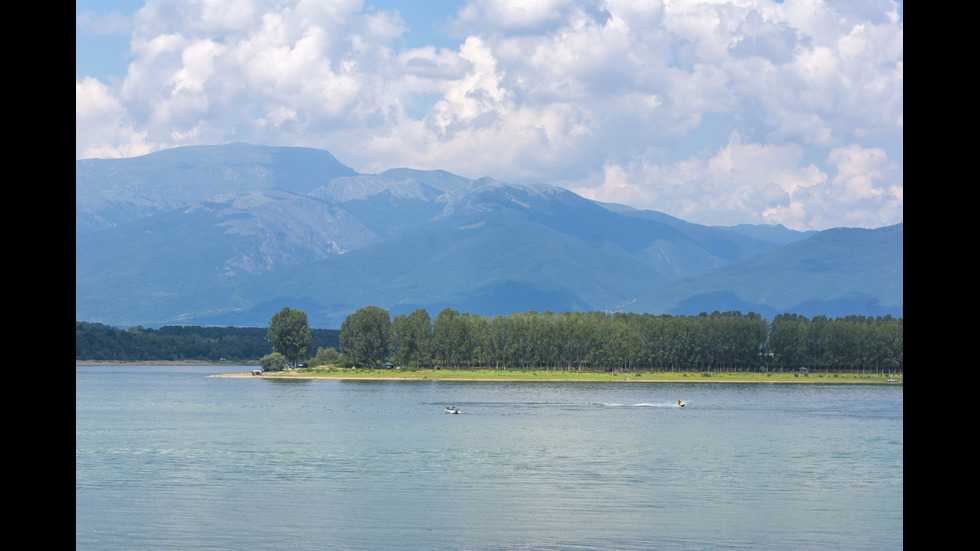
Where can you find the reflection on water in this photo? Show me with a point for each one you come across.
(167, 458)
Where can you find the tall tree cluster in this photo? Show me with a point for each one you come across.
(365, 336)
(720, 341)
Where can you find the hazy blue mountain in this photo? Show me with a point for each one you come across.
(228, 235)
(836, 272)
(384, 205)
(778, 233)
(112, 191)
(489, 264)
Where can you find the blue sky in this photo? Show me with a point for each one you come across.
(716, 111)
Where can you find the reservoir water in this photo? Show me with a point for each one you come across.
(169, 458)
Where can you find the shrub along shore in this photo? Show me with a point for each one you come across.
(575, 376)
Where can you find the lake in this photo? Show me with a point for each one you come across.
(169, 458)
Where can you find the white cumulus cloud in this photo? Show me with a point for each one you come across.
(715, 111)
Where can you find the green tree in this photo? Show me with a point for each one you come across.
(480, 340)
(423, 336)
(290, 335)
(446, 334)
(325, 356)
(788, 340)
(273, 362)
(365, 336)
(413, 337)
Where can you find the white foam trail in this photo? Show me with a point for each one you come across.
(644, 405)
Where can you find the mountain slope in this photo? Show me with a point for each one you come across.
(113, 191)
(169, 265)
(835, 272)
(228, 235)
(491, 268)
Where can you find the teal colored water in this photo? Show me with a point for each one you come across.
(168, 458)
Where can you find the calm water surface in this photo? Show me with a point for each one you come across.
(168, 458)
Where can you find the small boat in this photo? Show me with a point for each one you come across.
(453, 410)
(680, 404)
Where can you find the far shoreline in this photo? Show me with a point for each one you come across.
(579, 377)
(164, 362)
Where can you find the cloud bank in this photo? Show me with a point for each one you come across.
(718, 112)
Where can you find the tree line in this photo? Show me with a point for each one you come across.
(584, 341)
(100, 342)
(594, 341)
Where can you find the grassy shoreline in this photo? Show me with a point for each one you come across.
(575, 376)
(533, 375)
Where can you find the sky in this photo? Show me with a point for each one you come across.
(719, 112)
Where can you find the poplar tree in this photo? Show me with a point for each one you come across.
(290, 335)
(365, 336)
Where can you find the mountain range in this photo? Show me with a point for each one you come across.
(230, 234)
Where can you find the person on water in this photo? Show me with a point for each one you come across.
(680, 403)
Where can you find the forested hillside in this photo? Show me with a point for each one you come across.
(95, 341)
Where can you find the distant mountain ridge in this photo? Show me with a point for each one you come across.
(228, 235)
